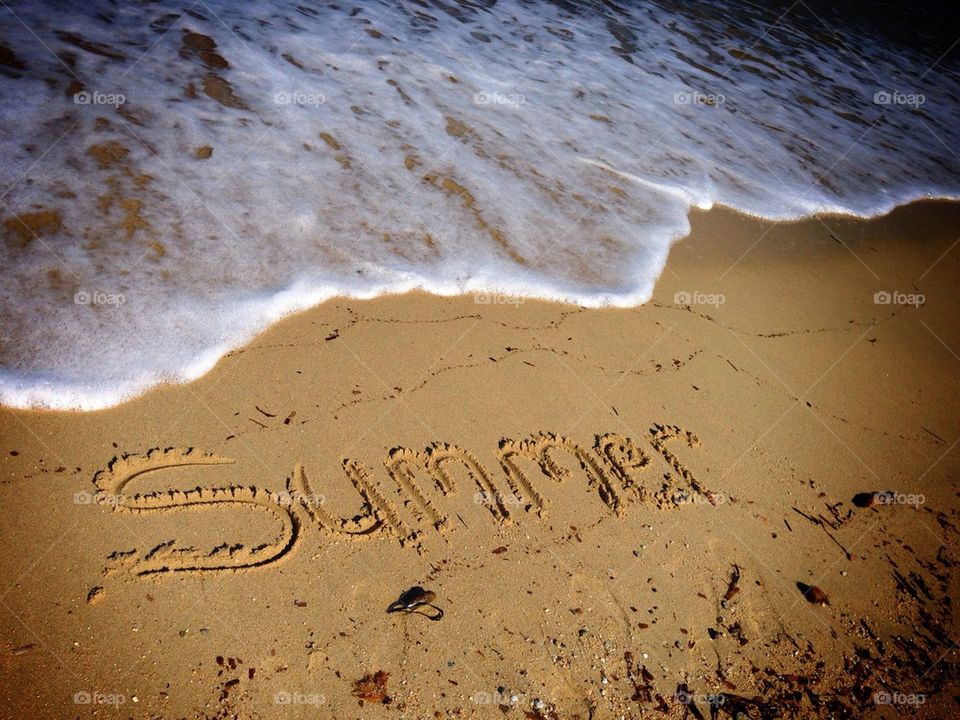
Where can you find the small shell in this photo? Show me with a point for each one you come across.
(415, 596)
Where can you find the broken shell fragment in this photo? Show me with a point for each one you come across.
(413, 599)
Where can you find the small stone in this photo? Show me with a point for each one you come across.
(813, 594)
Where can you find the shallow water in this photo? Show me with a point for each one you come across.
(175, 181)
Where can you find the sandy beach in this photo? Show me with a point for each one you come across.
(737, 500)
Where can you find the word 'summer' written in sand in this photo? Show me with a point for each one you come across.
(619, 469)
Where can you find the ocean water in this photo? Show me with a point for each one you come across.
(177, 176)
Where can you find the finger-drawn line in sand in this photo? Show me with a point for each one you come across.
(614, 468)
(112, 483)
(538, 448)
(377, 513)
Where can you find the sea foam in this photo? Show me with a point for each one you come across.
(173, 182)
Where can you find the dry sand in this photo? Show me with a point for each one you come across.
(612, 507)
